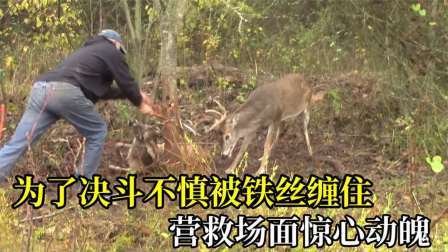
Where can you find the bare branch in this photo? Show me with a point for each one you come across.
(118, 168)
(127, 13)
(47, 215)
(240, 15)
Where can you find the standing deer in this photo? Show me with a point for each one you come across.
(267, 105)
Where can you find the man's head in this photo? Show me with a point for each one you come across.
(115, 38)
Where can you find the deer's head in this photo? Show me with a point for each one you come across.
(226, 124)
(230, 135)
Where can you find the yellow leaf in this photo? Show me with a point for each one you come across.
(38, 22)
(9, 62)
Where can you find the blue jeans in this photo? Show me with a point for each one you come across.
(49, 102)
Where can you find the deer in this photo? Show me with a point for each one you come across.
(145, 149)
(267, 106)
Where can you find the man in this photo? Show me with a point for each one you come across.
(70, 92)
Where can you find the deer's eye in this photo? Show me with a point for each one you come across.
(226, 137)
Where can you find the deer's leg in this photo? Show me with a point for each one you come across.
(306, 120)
(271, 138)
(243, 148)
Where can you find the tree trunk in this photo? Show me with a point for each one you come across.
(137, 43)
(101, 15)
(171, 14)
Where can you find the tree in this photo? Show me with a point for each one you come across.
(139, 37)
(171, 16)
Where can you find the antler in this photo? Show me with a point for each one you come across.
(220, 120)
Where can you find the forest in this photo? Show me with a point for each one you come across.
(377, 76)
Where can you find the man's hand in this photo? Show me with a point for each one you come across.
(149, 107)
(146, 109)
(146, 98)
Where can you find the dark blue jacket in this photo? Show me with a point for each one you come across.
(93, 68)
